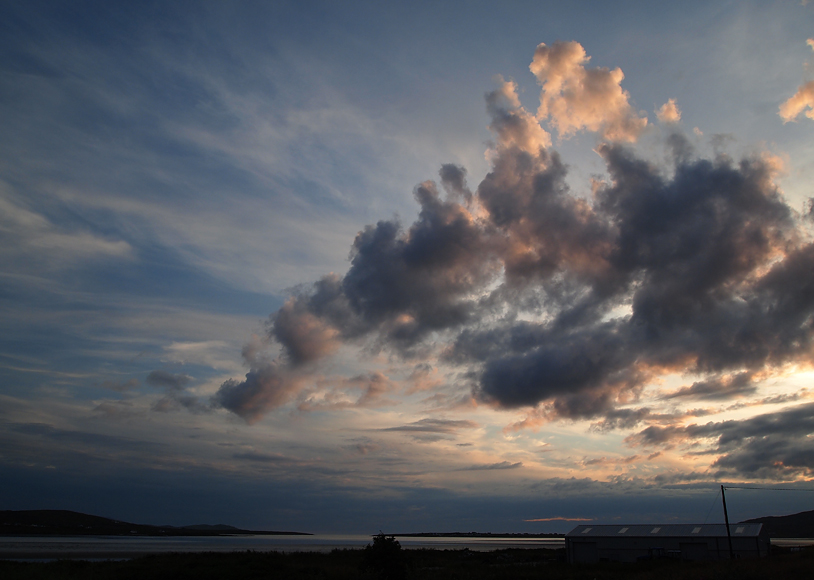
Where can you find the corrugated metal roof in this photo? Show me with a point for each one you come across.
(666, 530)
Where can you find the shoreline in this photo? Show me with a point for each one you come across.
(117, 547)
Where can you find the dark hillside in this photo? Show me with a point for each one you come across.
(68, 523)
(792, 526)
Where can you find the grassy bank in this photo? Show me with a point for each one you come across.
(418, 565)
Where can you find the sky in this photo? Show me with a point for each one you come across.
(361, 266)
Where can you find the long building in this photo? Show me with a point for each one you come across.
(617, 543)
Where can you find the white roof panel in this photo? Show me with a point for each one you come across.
(666, 530)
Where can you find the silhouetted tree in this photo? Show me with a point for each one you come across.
(386, 558)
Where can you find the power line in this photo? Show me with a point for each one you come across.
(712, 505)
(767, 488)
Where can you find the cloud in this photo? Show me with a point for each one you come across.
(563, 304)
(98, 444)
(401, 286)
(606, 461)
(167, 380)
(115, 409)
(695, 256)
(216, 354)
(264, 457)
(176, 401)
(726, 387)
(364, 446)
(306, 337)
(631, 418)
(768, 446)
(800, 101)
(492, 466)
(338, 393)
(264, 388)
(453, 179)
(121, 386)
(513, 126)
(560, 519)
(669, 112)
(429, 425)
(177, 397)
(773, 400)
(575, 98)
(31, 242)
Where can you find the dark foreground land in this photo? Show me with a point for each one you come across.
(516, 564)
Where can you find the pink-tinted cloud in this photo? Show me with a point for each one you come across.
(800, 101)
(575, 98)
(264, 388)
(669, 112)
(513, 126)
(305, 336)
(361, 391)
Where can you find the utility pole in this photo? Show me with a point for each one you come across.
(726, 518)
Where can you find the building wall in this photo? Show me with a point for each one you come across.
(630, 549)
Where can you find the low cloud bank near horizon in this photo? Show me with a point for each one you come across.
(566, 305)
(775, 446)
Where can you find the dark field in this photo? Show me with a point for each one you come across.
(414, 564)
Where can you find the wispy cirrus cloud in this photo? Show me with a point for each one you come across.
(493, 466)
(32, 243)
(430, 425)
(560, 519)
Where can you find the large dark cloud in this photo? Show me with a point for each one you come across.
(569, 302)
(266, 387)
(706, 260)
(401, 286)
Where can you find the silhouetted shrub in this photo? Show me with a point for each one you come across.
(386, 558)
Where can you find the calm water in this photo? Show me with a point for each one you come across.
(104, 547)
(119, 547)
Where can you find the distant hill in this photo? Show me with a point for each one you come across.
(792, 526)
(517, 535)
(68, 523)
(209, 527)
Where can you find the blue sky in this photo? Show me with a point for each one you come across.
(332, 267)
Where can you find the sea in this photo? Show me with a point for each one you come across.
(45, 548)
